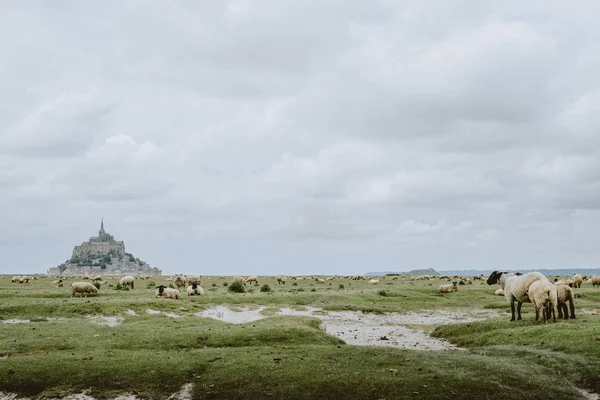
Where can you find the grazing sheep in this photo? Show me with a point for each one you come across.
(194, 290)
(127, 280)
(240, 279)
(167, 292)
(180, 280)
(57, 282)
(83, 288)
(577, 280)
(515, 288)
(499, 292)
(252, 278)
(595, 280)
(449, 288)
(543, 295)
(320, 281)
(564, 293)
(558, 282)
(281, 280)
(374, 281)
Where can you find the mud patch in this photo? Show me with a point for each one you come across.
(108, 321)
(365, 329)
(16, 321)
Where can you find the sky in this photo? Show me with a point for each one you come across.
(302, 137)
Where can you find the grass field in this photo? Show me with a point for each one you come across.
(65, 348)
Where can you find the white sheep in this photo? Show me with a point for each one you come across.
(577, 280)
(194, 290)
(127, 280)
(559, 282)
(252, 278)
(515, 288)
(542, 294)
(83, 288)
(595, 280)
(57, 282)
(281, 280)
(180, 280)
(374, 281)
(320, 281)
(564, 293)
(167, 292)
(240, 279)
(499, 292)
(449, 288)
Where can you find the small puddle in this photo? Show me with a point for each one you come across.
(16, 321)
(366, 329)
(108, 321)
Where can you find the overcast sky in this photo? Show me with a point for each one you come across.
(299, 137)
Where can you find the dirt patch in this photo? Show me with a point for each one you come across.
(365, 329)
(184, 394)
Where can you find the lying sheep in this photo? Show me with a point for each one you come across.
(499, 292)
(83, 288)
(543, 295)
(595, 280)
(194, 290)
(167, 292)
(449, 288)
(127, 280)
(515, 288)
(577, 280)
(564, 293)
(374, 281)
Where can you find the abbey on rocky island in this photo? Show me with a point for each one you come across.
(103, 255)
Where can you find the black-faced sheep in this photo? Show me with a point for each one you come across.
(281, 280)
(595, 280)
(167, 292)
(577, 280)
(194, 290)
(543, 295)
(180, 281)
(515, 288)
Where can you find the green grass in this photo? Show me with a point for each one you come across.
(285, 356)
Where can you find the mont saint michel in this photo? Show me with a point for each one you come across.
(103, 255)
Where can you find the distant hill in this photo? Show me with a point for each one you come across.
(428, 271)
(487, 272)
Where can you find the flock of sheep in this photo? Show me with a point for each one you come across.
(548, 298)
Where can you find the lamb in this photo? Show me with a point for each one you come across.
(83, 288)
(543, 295)
(127, 280)
(595, 280)
(194, 290)
(167, 292)
(252, 278)
(577, 280)
(374, 281)
(449, 288)
(564, 293)
(515, 288)
(499, 292)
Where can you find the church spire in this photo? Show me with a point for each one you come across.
(102, 226)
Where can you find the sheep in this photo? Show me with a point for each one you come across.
(240, 279)
(194, 290)
(83, 288)
(564, 293)
(448, 288)
(180, 280)
(127, 280)
(57, 282)
(167, 292)
(15, 279)
(193, 279)
(252, 278)
(558, 282)
(320, 281)
(281, 280)
(499, 292)
(577, 279)
(515, 288)
(543, 295)
(374, 281)
(595, 280)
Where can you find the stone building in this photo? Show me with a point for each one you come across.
(103, 255)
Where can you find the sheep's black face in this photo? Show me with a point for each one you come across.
(161, 289)
(494, 277)
(518, 274)
(194, 285)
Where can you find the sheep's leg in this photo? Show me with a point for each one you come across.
(519, 304)
(512, 309)
(572, 306)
